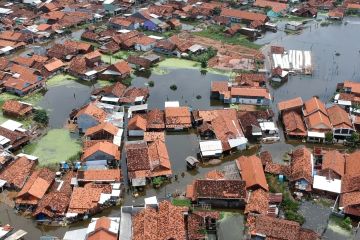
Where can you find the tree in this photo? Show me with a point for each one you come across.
(329, 136)
(203, 64)
(216, 11)
(173, 87)
(355, 137)
(157, 182)
(40, 116)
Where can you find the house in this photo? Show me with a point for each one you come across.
(333, 165)
(86, 200)
(258, 202)
(103, 131)
(246, 95)
(250, 125)
(144, 43)
(139, 63)
(202, 223)
(88, 116)
(161, 221)
(53, 67)
(293, 124)
(276, 7)
(305, 10)
(294, 26)
(155, 120)
(166, 47)
(93, 59)
(302, 168)
(35, 188)
(210, 148)
(251, 80)
(222, 125)
(279, 75)
(328, 178)
(86, 67)
(177, 118)
(115, 90)
(14, 138)
(117, 71)
(18, 171)
(99, 176)
(55, 203)
(146, 161)
(175, 23)
(243, 16)
(218, 193)
(134, 95)
(23, 80)
(103, 228)
(350, 191)
(251, 171)
(120, 23)
(80, 47)
(102, 153)
(62, 52)
(316, 119)
(227, 129)
(340, 121)
(291, 104)
(16, 109)
(220, 90)
(336, 14)
(262, 226)
(137, 126)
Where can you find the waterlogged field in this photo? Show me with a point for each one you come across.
(177, 63)
(56, 146)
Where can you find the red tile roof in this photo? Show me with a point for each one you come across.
(339, 118)
(275, 6)
(121, 67)
(216, 189)
(252, 172)
(16, 107)
(105, 147)
(301, 165)
(258, 202)
(335, 161)
(177, 117)
(293, 124)
(250, 92)
(137, 122)
(99, 175)
(290, 104)
(36, 187)
(168, 222)
(244, 15)
(17, 172)
(102, 127)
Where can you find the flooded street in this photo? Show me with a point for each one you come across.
(193, 88)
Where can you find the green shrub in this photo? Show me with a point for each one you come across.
(40, 116)
(151, 83)
(157, 181)
(182, 202)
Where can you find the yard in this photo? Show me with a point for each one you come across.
(56, 146)
(59, 79)
(217, 33)
(115, 57)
